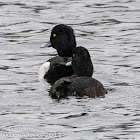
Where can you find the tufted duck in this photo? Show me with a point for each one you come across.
(63, 40)
(80, 83)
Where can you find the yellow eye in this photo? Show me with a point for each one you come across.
(73, 55)
(54, 35)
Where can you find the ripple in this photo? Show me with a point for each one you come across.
(75, 116)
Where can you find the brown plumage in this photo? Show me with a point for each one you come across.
(80, 84)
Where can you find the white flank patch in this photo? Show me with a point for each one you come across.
(43, 69)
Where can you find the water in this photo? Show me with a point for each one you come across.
(110, 30)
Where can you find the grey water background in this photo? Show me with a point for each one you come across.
(110, 30)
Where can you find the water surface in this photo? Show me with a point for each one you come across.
(110, 30)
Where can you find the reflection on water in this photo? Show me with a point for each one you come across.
(110, 30)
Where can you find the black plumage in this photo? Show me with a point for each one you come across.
(63, 40)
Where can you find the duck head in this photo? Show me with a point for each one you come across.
(81, 62)
(62, 39)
